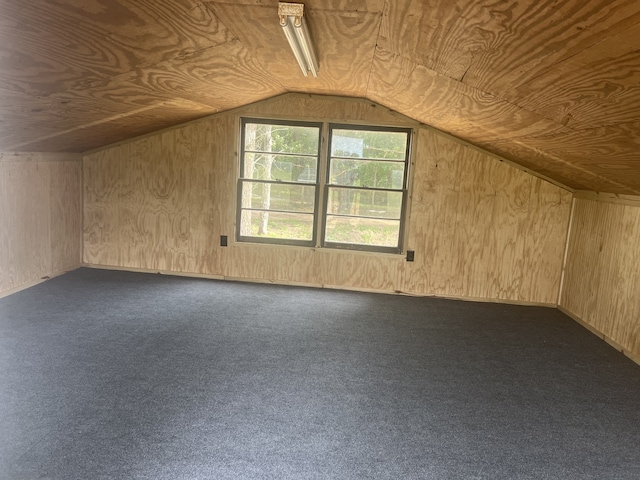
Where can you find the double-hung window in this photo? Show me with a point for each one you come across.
(351, 194)
(278, 185)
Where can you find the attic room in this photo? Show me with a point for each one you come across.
(416, 255)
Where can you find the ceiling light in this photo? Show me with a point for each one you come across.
(295, 29)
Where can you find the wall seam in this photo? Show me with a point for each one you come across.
(566, 252)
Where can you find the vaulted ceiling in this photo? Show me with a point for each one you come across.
(553, 85)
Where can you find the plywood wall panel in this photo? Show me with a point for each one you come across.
(545, 236)
(476, 224)
(479, 226)
(314, 107)
(271, 264)
(602, 278)
(362, 271)
(40, 217)
(66, 215)
(204, 203)
(101, 203)
(26, 227)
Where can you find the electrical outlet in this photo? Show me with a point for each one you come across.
(223, 241)
(410, 255)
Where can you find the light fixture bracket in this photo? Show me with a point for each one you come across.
(295, 29)
(290, 9)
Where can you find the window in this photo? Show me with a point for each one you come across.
(365, 187)
(278, 188)
(358, 202)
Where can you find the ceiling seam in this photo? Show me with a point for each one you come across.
(375, 47)
(514, 140)
(210, 6)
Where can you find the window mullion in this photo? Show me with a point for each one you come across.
(322, 182)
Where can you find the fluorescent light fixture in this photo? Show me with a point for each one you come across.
(295, 29)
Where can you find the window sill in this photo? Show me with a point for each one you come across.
(322, 250)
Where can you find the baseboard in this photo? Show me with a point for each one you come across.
(503, 301)
(635, 358)
(321, 285)
(156, 271)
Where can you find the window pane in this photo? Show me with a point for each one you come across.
(364, 203)
(289, 226)
(368, 144)
(362, 231)
(287, 168)
(274, 196)
(363, 173)
(262, 137)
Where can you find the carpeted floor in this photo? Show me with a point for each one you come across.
(117, 375)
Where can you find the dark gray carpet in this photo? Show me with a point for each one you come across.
(116, 375)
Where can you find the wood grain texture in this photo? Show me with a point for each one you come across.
(212, 176)
(608, 197)
(117, 126)
(322, 108)
(221, 76)
(65, 203)
(499, 46)
(602, 275)
(480, 228)
(375, 6)
(101, 204)
(594, 88)
(130, 68)
(344, 71)
(573, 158)
(51, 47)
(549, 85)
(40, 217)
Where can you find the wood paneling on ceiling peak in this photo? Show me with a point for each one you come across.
(553, 86)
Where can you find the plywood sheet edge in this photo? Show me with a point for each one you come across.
(497, 157)
(633, 200)
(402, 119)
(173, 273)
(39, 157)
(233, 111)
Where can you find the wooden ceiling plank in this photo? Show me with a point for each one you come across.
(210, 80)
(372, 6)
(597, 87)
(576, 177)
(551, 85)
(495, 45)
(447, 104)
(48, 48)
(454, 107)
(168, 107)
(116, 129)
(434, 34)
(344, 40)
(222, 77)
(545, 33)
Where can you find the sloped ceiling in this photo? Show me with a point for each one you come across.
(553, 85)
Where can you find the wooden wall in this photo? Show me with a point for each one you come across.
(602, 279)
(480, 227)
(40, 217)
